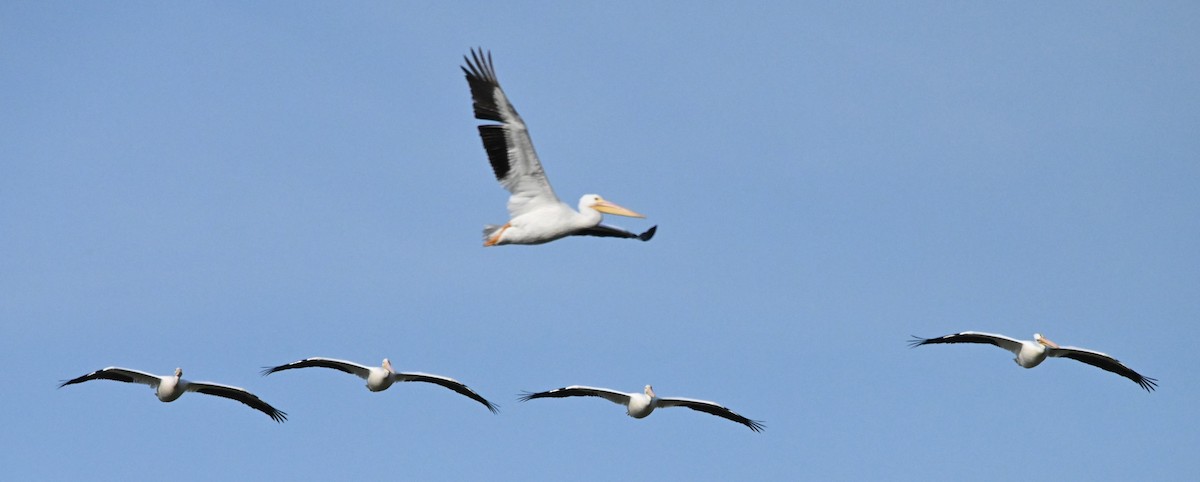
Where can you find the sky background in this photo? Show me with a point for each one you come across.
(222, 187)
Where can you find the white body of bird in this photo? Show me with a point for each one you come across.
(381, 377)
(641, 405)
(1029, 354)
(169, 388)
(536, 215)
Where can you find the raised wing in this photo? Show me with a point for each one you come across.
(342, 365)
(508, 145)
(239, 394)
(445, 382)
(118, 374)
(579, 391)
(1010, 344)
(712, 408)
(606, 231)
(1104, 361)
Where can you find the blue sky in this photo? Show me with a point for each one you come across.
(223, 187)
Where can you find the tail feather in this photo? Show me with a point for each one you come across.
(489, 230)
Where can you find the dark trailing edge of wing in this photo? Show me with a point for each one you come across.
(720, 411)
(495, 142)
(247, 398)
(558, 393)
(307, 363)
(955, 338)
(453, 385)
(611, 232)
(481, 76)
(1114, 366)
(99, 374)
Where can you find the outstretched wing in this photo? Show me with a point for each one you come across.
(712, 408)
(1010, 344)
(579, 391)
(342, 365)
(118, 374)
(1104, 361)
(239, 394)
(606, 231)
(508, 145)
(447, 382)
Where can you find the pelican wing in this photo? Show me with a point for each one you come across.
(447, 382)
(343, 365)
(580, 391)
(711, 408)
(239, 394)
(1010, 344)
(606, 231)
(119, 374)
(1104, 361)
(508, 146)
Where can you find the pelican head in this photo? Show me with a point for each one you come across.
(1044, 341)
(594, 201)
(178, 372)
(387, 365)
(649, 390)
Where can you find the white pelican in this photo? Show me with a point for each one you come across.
(171, 387)
(537, 216)
(381, 377)
(1030, 354)
(639, 405)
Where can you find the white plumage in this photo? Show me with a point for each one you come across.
(640, 405)
(170, 388)
(537, 215)
(381, 377)
(1029, 354)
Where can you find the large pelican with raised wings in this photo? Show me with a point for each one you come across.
(639, 405)
(537, 215)
(381, 377)
(1030, 354)
(170, 388)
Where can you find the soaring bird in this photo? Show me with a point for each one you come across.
(381, 377)
(1030, 354)
(639, 405)
(169, 388)
(537, 215)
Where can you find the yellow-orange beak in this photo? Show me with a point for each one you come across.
(612, 208)
(1047, 342)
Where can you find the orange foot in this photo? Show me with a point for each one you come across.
(496, 239)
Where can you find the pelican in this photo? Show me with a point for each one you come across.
(170, 388)
(639, 405)
(537, 216)
(381, 377)
(1030, 354)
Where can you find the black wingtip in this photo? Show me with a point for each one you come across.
(279, 416)
(756, 425)
(917, 341)
(649, 233)
(492, 407)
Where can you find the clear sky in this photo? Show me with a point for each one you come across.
(226, 186)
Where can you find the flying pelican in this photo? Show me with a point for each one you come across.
(1030, 354)
(171, 387)
(639, 405)
(381, 377)
(537, 216)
